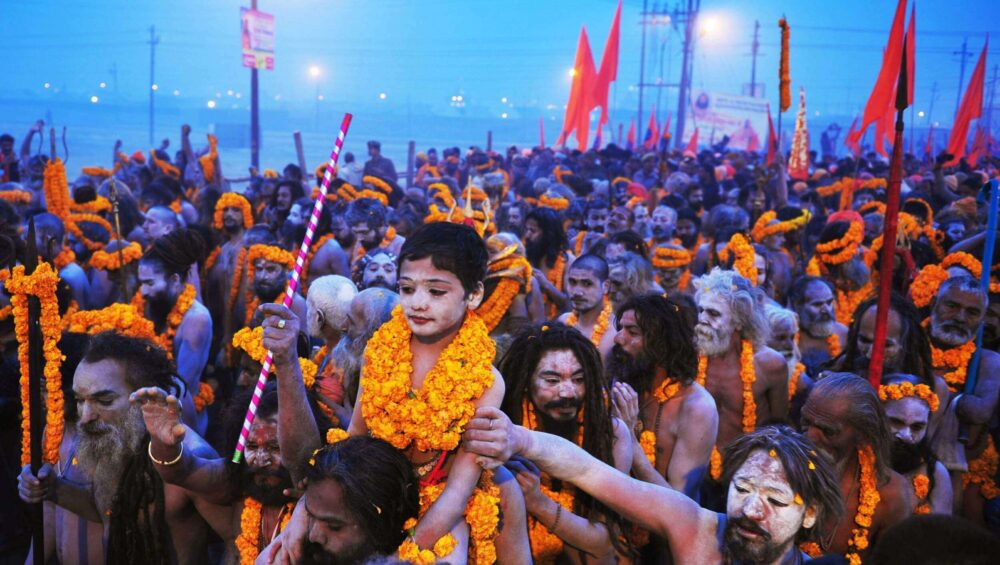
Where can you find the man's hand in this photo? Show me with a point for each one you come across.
(34, 489)
(625, 404)
(164, 144)
(286, 547)
(162, 413)
(529, 477)
(942, 158)
(281, 330)
(493, 437)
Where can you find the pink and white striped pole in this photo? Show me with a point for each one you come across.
(293, 284)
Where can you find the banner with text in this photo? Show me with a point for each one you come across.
(716, 115)
(258, 39)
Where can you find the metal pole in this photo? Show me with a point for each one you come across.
(255, 113)
(961, 71)
(682, 93)
(753, 65)
(642, 57)
(153, 40)
(411, 153)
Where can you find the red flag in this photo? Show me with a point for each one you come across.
(609, 66)
(692, 146)
(652, 132)
(665, 132)
(772, 139)
(579, 105)
(978, 146)
(883, 128)
(630, 140)
(798, 160)
(881, 98)
(929, 148)
(849, 140)
(971, 109)
(911, 53)
(541, 132)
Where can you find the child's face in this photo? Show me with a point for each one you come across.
(433, 300)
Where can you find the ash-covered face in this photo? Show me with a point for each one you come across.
(433, 300)
(816, 314)
(956, 316)
(264, 476)
(908, 418)
(663, 221)
(782, 339)
(585, 290)
(763, 513)
(893, 339)
(715, 327)
(557, 385)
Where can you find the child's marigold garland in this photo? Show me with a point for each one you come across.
(248, 542)
(983, 470)
(433, 417)
(174, 318)
(120, 318)
(41, 284)
(906, 389)
(232, 200)
(109, 260)
(600, 326)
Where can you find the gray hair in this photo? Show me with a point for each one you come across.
(964, 283)
(639, 275)
(328, 302)
(748, 315)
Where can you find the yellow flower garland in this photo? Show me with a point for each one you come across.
(205, 397)
(557, 203)
(744, 254)
(248, 542)
(120, 318)
(847, 302)
(232, 200)
(335, 435)
(982, 471)
(555, 276)
(41, 284)
(793, 382)
(494, 308)
(56, 188)
(96, 206)
(906, 389)
(109, 260)
(65, 257)
(663, 394)
(957, 360)
(16, 196)
(833, 344)
(843, 249)
(434, 417)
(600, 327)
(174, 318)
(868, 499)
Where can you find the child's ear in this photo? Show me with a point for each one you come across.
(476, 296)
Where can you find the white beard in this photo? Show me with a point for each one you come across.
(949, 337)
(103, 457)
(710, 342)
(822, 329)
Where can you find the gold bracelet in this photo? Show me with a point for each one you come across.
(165, 463)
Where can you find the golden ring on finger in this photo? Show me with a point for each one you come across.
(281, 324)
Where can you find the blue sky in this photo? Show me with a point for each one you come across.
(420, 54)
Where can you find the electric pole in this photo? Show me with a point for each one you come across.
(153, 41)
(254, 113)
(930, 110)
(682, 96)
(989, 113)
(753, 65)
(642, 59)
(963, 54)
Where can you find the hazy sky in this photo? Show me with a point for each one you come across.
(420, 54)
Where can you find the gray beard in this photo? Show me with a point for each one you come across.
(822, 329)
(951, 338)
(709, 342)
(104, 456)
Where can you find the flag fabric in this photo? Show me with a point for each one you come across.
(929, 148)
(798, 160)
(541, 132)
(578, 108)
(652, 136)
(608, 72)
(597, 138)
(884, 128)
(971, 109)
(881, 98)
(978, 146)
(911, 54)
(692, 146)
(630, 140)
(665, 135)
(853, 144)
(772, 139)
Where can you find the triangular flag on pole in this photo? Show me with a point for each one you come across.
(652, 132)
(630, 140)
(849, 141)
(971, 109)
(609, 66)
(798, 160)
(929, 148)
(692, 146)
(579, 105)
(665, 134)
(881, 97)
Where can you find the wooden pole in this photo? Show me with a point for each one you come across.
(301, 154)
(35, 408)
(988, 248)
(489, 141)
(411, 156)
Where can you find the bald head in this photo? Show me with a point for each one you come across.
(160, 221)
(370, 309)
(327, 303)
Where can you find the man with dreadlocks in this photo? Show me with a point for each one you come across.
(183, 325)
(146, 520)
(748, 379)
(546, 246)
(556, 384)
(677, 417)
(844, 418)
(232, 218)
(779, 491)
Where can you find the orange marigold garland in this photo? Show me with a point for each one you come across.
(843, 249)
(868, 499)
(250, 340)
(983, 470)
(41, 284)
(16, 196)
(921, 488)
(744, 255)
(207, 161)
(793, 381)
(495, 307)
(905, 389)
(956, 361)
(248, 542)
(557, 203)
(663, 394)
(109, 260)
(234, 285)
(96, 206)
(56, 188)
(833, 344)
(600, 327)
(435, 416)
(120, 318)
(555, 276)
(205, 397)
(174, 318)
(847, 301)
(232, 200)
(748, 376)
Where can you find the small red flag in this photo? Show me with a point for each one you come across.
(652, 132)
(630, 140)
(608, 72)
(882, 96)
(849, 141)
(971, 109)
(692, 146)
(772, 139)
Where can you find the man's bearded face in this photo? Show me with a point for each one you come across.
(687, 231)
(232, 219)
(367, 235)
(269, 279)
(782, 339)
(826, 421)
(956, 316)
(157, 291)
(908, 419)
(762, 517)
(715, 327)
(816, 313)
(663, 223)
(380, 272)
(597, 220)
(585, 290)
(264, 476)
(335, 536)
(893, 340)
(557, 385)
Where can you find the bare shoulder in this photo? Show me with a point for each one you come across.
(895, 499)
(771, 362)
(698, 405)
(991, 365)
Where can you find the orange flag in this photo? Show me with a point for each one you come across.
(971, 109)
(579, 105)
(882, 96)
(609, 66)
(692, 146)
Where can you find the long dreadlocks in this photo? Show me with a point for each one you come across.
(518, 365)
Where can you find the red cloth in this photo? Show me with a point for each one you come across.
(772, 139)
(971, 109)
(881, 98)
(692, 146)
(577, 116)
(609, 66)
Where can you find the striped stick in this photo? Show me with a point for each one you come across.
(293, 284)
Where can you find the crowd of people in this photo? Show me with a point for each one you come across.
(543, 355)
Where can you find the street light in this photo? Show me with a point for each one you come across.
(381, 96)
(211, 104)
(314, 71)
(94, 99)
